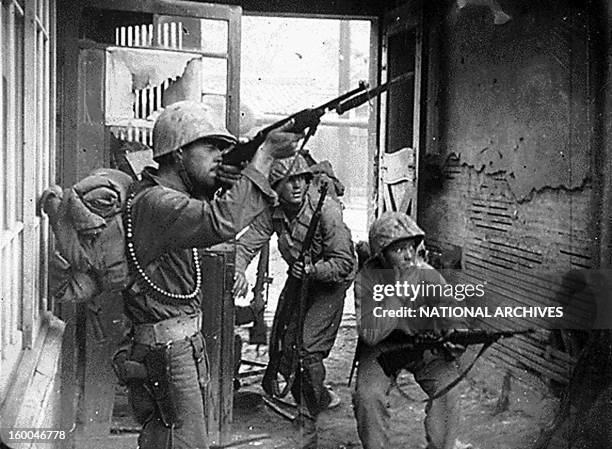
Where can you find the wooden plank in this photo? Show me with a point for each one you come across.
(233, 72)
(99, 378)
(432, 120)
(168, 7)
(91, 149)
(68, 18)
(29, 258)
(418, 115)
(218, 330)
(603, 151)
(36, 399)
(3, 150)
(69, 387)
(17, 409)
(382, 122)
(373, 123)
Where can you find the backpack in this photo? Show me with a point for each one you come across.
(87, 223)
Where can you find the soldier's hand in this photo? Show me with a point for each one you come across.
(454, 349)
(228, 175)
(300, 269)
(241, 286)
(280, 143)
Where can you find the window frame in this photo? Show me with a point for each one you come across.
(27, 157)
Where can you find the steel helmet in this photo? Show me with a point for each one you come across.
(184, 122)
(285, 168)
(391, 227)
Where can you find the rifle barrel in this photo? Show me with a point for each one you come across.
(358, 100)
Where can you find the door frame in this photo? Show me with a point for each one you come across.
(404, 18)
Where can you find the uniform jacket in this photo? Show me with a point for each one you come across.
(167, 223)
(372, 329)
(332, 248)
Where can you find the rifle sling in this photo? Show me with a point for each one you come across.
(461, 376)
(296, 360)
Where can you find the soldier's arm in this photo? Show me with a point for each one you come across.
(198, 223)
(371, 328)
(251, 242)
(338, 255)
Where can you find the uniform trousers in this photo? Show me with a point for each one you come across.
(371, 399)
(187, 375)
(325, 303)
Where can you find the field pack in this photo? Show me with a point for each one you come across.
(87, 223)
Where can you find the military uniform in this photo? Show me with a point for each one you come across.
(334, 270)
(432, 370)
(163, 226)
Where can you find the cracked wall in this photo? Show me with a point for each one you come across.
(515, 96)
(511, 186)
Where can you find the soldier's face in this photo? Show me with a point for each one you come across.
(402, 254)
(291, 190)
(201, 160)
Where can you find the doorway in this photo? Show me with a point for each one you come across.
(292, 63)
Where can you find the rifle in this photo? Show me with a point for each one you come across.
(286, 336)
(394, 355)
(309, 119)
(258, 334)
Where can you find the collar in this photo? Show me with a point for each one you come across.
(151, 175)
(279, 214)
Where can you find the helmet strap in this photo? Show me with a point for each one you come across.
(182, 172)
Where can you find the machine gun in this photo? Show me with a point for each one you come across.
(310, 119)
(286, 335)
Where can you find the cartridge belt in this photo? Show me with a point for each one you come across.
(167, 331)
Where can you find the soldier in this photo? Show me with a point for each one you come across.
(168, 215)
(331, 272)
(394, 240)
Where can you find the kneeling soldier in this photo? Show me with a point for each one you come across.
(394, 241)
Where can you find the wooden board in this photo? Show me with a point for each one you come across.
(218, 330)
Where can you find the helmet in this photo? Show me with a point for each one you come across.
(291, 166)
(391, 227)
(184, 122)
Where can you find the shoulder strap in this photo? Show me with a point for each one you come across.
(461, 376)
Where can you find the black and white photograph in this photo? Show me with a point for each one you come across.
(324, 224)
